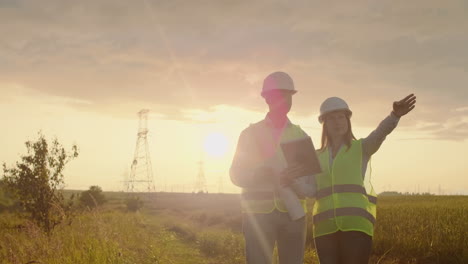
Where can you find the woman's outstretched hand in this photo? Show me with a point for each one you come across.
(404, 106)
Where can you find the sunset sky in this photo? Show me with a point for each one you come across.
(81, 70)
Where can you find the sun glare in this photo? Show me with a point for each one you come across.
(216, 144)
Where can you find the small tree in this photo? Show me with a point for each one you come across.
(133, 203)
(37, 179)
(92, 197)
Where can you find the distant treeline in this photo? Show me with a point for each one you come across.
(394, 193)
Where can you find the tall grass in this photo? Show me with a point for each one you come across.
(110, 237)
(200, 229)
(426, 229)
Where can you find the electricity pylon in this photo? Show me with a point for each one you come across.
(141, 174)
(200, 182)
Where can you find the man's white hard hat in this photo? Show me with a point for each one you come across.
(278, 81)
(333, 104)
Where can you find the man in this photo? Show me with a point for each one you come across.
(257, 167)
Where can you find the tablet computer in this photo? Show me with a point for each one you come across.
(302, 151)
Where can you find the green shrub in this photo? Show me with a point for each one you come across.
(92, 197)
(133, 203)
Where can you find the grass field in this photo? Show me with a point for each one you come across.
(206, 228)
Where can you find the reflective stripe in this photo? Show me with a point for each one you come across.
(258, 195)
(372, 199)
(345, 211)
(341, 188)
(344, 188)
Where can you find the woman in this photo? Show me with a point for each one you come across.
(344, 212)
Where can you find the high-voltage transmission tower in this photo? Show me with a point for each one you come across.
(200, 182)
(141, 173)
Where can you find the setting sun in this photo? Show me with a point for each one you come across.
(216, 144)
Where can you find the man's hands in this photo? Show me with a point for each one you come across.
(404, 106)
(288, 175)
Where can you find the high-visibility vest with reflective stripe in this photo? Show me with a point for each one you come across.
(342, 200)
(263, 199)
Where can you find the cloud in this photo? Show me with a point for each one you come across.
(173, 56)
(454, 128)
(462, 109)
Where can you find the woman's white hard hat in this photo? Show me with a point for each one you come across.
(278, 81)
(333, 104)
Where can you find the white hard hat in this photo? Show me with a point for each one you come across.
(333, 104)
(278, 81)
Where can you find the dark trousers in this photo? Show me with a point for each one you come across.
(261, 231)
(350, 247)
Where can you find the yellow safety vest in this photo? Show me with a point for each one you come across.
(263, 199)
(342, 200)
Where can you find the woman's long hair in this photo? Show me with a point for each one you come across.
(348, 137)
